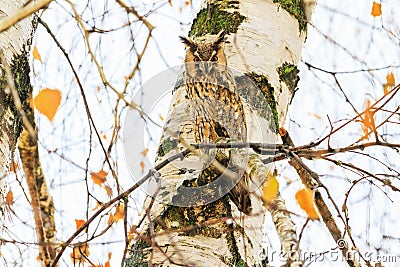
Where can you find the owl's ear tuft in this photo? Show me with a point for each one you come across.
(220, 38)
(189, 43)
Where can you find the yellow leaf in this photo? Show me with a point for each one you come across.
(99, 177)
(376, 9)
(270, 189)
(161, 117)
(390, 79)
(305, 199)
(119, 213)
(36, 54)
(79, 223)
(47, 102)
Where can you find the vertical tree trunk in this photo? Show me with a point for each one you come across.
(264, 41)
(13, 48)
(17, 117)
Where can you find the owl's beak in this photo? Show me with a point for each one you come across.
(204, 66)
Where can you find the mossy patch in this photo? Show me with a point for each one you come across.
(213, 18)
(289, 74)
(166, 146)
(259, 94)
(137, 256)
(296, 9)
(20, 71)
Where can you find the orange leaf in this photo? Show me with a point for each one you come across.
(79, 252)
(144, 152)
(142, 166)
(13, 166)
(119, 213)
(282, 131)
(390, 79)
(99, 177)
(107, 264)
(110, 219)
(270, 189)
(79, 223)
(132, 232)
(98, 205)
(47, 102)
(36, 54)
(376, 9)
(367, 120)
(108, 190)
(10, 198)
(305, 198)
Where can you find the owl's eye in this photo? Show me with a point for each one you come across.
(214, 58)
(196, 59)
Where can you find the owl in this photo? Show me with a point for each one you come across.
(218, 109)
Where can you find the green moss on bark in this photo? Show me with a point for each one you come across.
(166, 146)
(261, 98)
(214, 18)
(137, 257)
(296, 9)
(289, 74)
(20, 71)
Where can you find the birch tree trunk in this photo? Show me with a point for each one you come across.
(17, 27)
(264, 41)
(12, 46)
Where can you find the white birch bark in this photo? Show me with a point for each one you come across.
(11, 43)
(268, 37)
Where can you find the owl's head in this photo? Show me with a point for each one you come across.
(205, 48)
(205, 55)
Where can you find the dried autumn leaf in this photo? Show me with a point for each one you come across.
(36, 54)
(99, 177)
(305, 199)
(107, 264)
(282, 131)
(79, 223)
(47, 102)
(270, 190)
(119, 213)
(13, 166)
(390, 80)
(132, 232)
(367, 120)
(376, 9)
(142, 166)
(10, 198)
(79, 252)
(144, 152)
(108, 190)
(110, 219)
